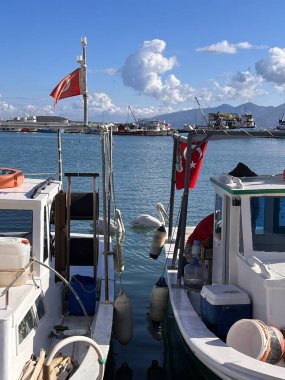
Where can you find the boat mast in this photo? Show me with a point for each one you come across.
(83, 78)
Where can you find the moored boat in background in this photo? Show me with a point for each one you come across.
(233, 320)
(155, 127)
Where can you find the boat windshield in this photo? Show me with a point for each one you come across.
(16, 223)
(268, 223)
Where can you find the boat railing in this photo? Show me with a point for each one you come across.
(74, 339)
(18, 274)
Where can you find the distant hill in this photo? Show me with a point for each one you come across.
(265, 117)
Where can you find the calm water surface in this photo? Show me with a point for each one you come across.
(142, 168)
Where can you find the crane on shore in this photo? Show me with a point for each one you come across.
(135, 119)
(202, 111)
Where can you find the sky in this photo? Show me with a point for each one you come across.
(154, 56)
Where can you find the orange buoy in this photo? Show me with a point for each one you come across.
(10, 178)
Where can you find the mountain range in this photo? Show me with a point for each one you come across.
(265, 117)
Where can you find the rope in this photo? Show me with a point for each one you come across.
(85, 290)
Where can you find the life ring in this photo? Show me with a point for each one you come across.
(10, 178)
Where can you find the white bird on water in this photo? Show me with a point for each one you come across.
(148, 221)
(116, 225)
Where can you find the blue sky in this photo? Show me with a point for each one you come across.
(152, 55)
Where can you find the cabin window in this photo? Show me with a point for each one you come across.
(279, 212)
(26, 326)
(268, 223)
(17, 223)
(40, 307)
(218, 216)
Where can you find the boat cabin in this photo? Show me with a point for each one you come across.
(24, 232)
(249, 241)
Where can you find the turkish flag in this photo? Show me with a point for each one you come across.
(195, 166)
(71, 85)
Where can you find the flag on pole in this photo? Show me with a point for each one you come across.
(195, 166)
(71, 85)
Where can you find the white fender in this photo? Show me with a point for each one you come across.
(159, 301)
(157, 243)
(123, 319)
(118, 257)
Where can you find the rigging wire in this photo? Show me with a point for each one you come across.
(111, 189)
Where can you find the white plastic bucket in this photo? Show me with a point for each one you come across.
(257, 340)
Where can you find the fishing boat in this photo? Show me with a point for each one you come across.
(128, 129)
(232, 317)
(56, 285)
(155, 127)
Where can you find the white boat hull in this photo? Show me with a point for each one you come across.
(221, 359)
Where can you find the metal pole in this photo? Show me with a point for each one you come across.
(177, 242)
(95, 251)
(110, 173)
(184, 207)
(84, 72)
(59, 158)
(104, 220)
(172, 189)
(68, 206)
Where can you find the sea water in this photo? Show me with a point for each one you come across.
(142, 169)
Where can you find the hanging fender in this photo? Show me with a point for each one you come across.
(157, 243)
(123, 319)
(159, 301)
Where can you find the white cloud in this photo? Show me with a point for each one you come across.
(280, 89)
(109, 71)
(272, 68)
(100, 102)
(7, 109)
(243, 86)
(144, 69)
(225, 47)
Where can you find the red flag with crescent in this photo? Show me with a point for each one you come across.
(195, 165)
(71, 85)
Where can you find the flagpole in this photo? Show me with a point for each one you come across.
(82, 61)
(183, 216)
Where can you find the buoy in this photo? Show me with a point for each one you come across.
(118, 257)
(155, 372)
(123, 319)
(124, 372)
(157, 243)
(159, 301)
(10, 178)
(254, 338)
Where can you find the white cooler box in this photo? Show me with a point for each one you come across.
(222, 306)
(14, 256)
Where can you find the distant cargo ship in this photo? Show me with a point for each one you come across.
(227, 120)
